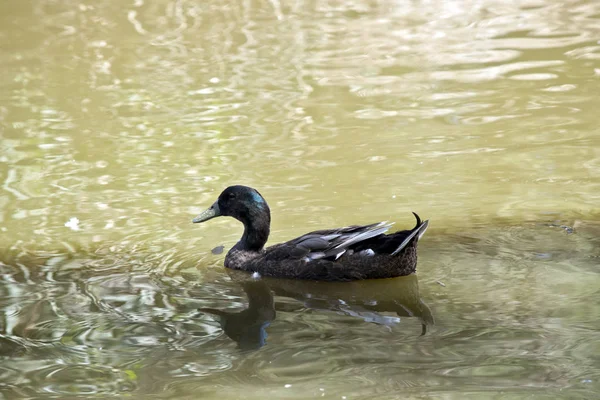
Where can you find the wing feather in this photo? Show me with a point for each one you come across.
(376, 230)
(331, 243)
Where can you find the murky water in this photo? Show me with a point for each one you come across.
(121, 120)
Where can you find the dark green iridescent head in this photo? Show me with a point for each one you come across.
(240, 202)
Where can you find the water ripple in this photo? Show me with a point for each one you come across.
(121, 121)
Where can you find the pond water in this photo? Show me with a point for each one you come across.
(122, 120)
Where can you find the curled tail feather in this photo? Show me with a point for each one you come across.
(417, 232)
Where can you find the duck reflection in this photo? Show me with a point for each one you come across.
(247, 327)
(380, 301)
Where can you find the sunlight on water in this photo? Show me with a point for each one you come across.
(121, 121)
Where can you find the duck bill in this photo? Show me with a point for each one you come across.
(210, 213)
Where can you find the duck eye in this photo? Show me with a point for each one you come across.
(231, 196)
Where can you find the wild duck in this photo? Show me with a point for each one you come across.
(342, 254)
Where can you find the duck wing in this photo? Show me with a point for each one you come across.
(326, 244)
(394, 243)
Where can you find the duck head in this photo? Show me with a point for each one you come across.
(240, 202)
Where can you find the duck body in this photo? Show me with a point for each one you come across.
(342, 254)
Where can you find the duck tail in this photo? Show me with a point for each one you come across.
(417, 232)
(421, 226)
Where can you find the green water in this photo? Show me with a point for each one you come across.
(119, 121)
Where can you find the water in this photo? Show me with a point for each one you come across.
(121, 121)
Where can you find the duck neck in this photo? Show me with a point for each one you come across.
(256, 231)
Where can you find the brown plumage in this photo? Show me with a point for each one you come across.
(343, 254)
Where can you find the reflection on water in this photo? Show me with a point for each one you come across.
(368, 300)
(248, 327)
(119, 120)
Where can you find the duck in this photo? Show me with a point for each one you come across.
(350, 253)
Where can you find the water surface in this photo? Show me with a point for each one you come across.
(121, 121)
